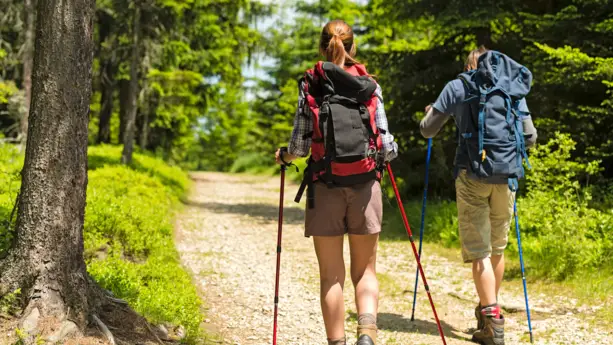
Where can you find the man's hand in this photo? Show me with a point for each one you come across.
(428, 107)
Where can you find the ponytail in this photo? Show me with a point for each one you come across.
(335, 52)
(337, 44)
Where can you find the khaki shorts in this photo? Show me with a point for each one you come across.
(484, 217)
(357, 210)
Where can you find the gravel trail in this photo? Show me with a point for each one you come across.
(227, 238)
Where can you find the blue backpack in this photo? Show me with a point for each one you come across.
(491, 135)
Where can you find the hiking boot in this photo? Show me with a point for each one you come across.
(365, 340)
(480, 317)
(367, 335)
(492, 332)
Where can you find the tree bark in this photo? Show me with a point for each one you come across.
(128, 137)
(46, 261)
(144, 133)
(124, 95)
(28, 57)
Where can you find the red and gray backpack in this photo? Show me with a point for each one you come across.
(346, 145)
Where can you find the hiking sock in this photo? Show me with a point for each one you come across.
(367, 324)
(339, 341)
(492, 311)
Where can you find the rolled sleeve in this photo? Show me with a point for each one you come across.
(300, 142)
(390, 147)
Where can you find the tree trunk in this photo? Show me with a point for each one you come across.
(144, 133)
(29, 10)
(128, 136)
(46, 261)
(124, 95)
(107, 83)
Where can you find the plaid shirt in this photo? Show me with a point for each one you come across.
(300, 143)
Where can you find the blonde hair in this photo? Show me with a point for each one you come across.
(473, 58)
(336, 43)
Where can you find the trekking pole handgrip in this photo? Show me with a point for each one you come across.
(285, 165)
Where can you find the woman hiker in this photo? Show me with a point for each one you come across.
(341, 120)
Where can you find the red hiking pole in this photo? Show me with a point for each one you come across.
(279, 237)
(421, 270)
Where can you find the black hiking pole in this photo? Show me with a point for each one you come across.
(419, 267)
(521, 262)
(421, 227)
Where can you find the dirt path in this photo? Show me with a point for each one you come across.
(227, 238)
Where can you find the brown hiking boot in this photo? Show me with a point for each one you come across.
(367, 335)
(479, 316)
(492, 332)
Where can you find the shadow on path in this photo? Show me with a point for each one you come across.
(291, 215)
(399, 323)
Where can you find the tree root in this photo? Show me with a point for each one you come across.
(152, 332)
(105, 330)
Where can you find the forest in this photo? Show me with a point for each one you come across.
(171, 92)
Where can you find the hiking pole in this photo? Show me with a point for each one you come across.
(279, 237)
(421, 270)
(521, 262)
(421, 227)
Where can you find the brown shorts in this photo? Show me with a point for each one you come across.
(357, 210)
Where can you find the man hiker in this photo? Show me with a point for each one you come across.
(494, 129)
(341, 121)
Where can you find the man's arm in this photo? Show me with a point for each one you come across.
(433, 122)
(445, 106)
(530, 134)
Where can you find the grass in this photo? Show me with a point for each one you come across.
(128, 233)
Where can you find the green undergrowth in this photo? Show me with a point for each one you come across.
(10, 167)
(264, 164)
(128, 233)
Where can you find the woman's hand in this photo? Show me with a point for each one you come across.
(288, 158)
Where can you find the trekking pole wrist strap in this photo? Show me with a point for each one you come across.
(282, 151)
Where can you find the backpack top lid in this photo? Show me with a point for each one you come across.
(354, 83)
(496, 70)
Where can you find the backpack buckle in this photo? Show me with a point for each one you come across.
(482, 99)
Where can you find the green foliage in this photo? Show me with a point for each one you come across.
(441, 223)
(567, 235)
(254, 163)
(128, 236)
(171, 177)
(11, 162)
(7, 89)
(9, 303)
(128, 230)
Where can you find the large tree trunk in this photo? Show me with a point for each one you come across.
(46, 261)
(29, 10)
(128, 136)
(107, 83)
